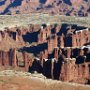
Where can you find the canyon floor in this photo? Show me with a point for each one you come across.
(17, 80)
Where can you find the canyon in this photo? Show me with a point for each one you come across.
(60, 51)
(44, 44)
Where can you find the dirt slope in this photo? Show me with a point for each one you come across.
(13, 80)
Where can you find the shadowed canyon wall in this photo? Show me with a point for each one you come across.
(60, 52)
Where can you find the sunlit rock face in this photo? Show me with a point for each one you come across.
(76, 2)
(49, 1)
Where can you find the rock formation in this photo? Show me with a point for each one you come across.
(62, 7)
(60, 52)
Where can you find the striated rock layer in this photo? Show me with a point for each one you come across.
(60, 52)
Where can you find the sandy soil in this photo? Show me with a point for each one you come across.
(13, 80)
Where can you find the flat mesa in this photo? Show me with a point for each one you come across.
(26, 19)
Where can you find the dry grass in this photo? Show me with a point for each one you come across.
(25, 20)
(20, 83)
(25, 81)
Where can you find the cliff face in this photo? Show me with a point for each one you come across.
(10, 56)
(63, 7)
(58, 51)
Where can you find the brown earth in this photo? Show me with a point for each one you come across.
(13, 80)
